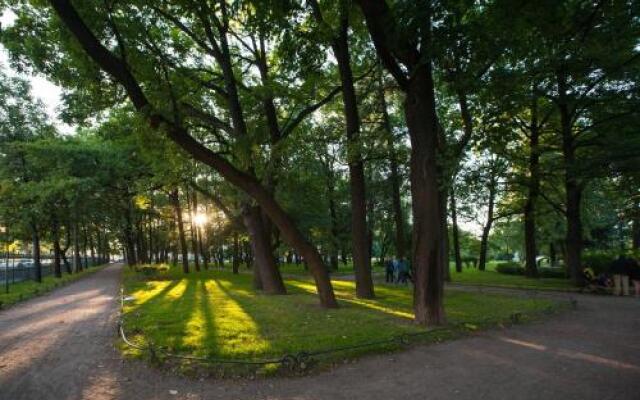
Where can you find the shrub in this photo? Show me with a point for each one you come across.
(151, 269)
(510, 268)
(552, 273)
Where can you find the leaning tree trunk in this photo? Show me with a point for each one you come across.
(120, 71)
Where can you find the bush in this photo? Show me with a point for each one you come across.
(151, 269)
(598, 261)
(552, 273)
(510, 268)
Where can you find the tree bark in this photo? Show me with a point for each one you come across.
(37, 262)
(265, 268)
(177, 209)
(531, 267)
(64, 250)
(428, 235)
(194, 233)
(426, 172)
(455, 232)
(57, 270)
(77, 262)
(573, 191)
(128, 236)
(486, 230)
(635, 226)
(236, 253)
(394, 177)
(92, 248)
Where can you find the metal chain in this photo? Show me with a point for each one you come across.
(302, 360)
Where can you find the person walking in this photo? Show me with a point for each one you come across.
(388, 267)
(634, 276)
(403, 272)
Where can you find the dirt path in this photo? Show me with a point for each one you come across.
(60, 346)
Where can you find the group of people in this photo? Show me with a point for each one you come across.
(624, 270)
(621, 274)
(397, 271)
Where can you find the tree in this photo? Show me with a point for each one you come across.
(211, 39)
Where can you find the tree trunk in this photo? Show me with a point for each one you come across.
(455, 233)
(198, 235)
(177, 209)
(573, 191)
(129, 236)
(77, 262)
(57, 270)
(420, 115)
(635, 229)
(335, 241)
(67, 245)
(92, 249)
(265, 268)
(484, 241)
(37, 263)
(236, 253)
(361, 256)
(194, 234)
(394, 178)
(531, 267)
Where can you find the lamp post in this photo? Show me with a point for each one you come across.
(3, 231)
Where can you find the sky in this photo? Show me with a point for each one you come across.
(41, 88)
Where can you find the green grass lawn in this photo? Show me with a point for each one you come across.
(217, 314)
(25, 290)
(469, 276)
(490, 277)
(298, 269)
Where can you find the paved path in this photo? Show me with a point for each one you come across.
(60, 346)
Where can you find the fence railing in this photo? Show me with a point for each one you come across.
(18, 268)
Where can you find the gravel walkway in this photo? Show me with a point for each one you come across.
(60, 346)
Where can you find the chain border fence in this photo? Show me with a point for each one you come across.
(302, 361)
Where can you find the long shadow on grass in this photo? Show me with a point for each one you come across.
(388, 301)
(161, 294)
(210, 334)
(240, 331)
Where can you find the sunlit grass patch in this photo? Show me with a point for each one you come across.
(216, 314)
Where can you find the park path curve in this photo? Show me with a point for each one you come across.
(61, 346)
